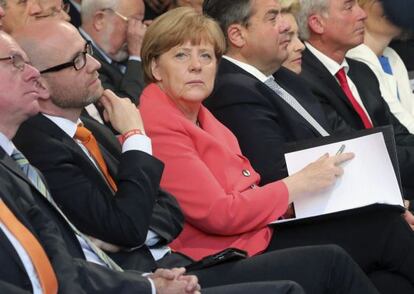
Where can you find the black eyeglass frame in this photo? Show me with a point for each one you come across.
(17, 61)
(88, 50)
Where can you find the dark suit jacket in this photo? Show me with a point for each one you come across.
(84, 196)
(59, 242)
(261, 120)
(74, 14)
(130, 84)
(335, 104)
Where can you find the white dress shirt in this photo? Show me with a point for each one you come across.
(249, 68)
(333, 67)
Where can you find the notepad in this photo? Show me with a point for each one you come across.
(369, 178)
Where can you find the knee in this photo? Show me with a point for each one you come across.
(335, 250)
(282, 286)
(337, 254)
(294, 288)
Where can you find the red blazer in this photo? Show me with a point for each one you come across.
(213, 182)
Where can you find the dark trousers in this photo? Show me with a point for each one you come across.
(379, 240)
(318, 269)
(282, 287)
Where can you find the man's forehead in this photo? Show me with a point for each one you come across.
(9, 47)
(264, 6)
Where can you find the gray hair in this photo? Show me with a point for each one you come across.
(307, 8)
(90, 7)
(228, 12)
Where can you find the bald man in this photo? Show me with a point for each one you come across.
(32, 228)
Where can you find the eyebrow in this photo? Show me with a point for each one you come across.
(79, 52)
(272, 12)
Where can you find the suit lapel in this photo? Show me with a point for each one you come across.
(11, 165)
(6, 245)
(51, 129)
(229, 67)
(327, 79)
(288, 81)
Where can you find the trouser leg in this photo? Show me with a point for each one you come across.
(318, 269)
(389, 283)
(377, 240)
(280, 287)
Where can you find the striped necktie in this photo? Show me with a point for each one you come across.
(34, 177)
(289, 99)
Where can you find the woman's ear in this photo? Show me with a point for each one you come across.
(155, 70)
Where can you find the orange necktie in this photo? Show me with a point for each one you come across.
(88, 140)
(33, 248)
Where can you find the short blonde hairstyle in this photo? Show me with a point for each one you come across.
(365, 2)
(174, 28)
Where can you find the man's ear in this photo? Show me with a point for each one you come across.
(155, 69)
(236, 35)
(99, 20)
(316, 23)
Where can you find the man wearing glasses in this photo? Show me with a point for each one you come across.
(35, 254)
(116, 29)
(87, 181)
(42, 252)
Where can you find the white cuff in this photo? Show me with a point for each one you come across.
(137, 142)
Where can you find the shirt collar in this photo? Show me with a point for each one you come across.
(249, 68)
(332, 66)
(96, 47)
(6, 144)
(68, 126)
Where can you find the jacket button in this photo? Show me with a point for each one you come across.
(246, 173)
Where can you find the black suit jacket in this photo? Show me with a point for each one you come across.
(74, 14)
(129, 84)
(335, 104)
(57, 239)
(261, 120)
(84, 196)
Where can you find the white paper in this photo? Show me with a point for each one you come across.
(368, 178)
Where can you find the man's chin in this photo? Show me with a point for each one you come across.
(95, 97)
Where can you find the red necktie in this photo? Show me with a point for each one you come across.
(341, 76)
(88, 140)
(33, 248)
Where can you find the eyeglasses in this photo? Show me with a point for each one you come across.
(117, 13)
(78, 62)
(17, 61)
